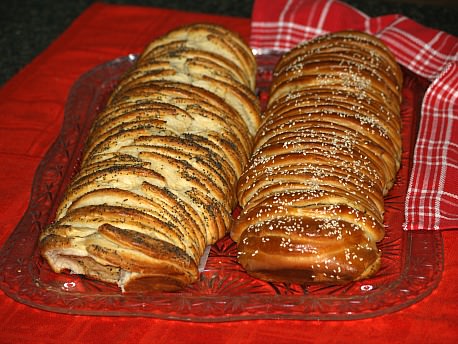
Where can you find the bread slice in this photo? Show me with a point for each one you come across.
(212, 38)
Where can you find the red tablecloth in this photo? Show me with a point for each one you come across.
(31, 112)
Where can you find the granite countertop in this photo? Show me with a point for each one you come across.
(29, 26)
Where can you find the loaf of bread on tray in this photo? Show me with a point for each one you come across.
(327, 151)
(159, 170)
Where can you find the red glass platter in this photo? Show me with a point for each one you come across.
(412, 261)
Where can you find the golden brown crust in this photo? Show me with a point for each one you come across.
(313, 252)
(327, 151)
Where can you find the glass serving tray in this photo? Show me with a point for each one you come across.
(412, 261)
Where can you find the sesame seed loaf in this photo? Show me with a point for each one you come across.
(327, 151)
(158, 173)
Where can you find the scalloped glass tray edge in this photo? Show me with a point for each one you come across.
(413, 259)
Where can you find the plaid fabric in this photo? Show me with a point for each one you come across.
(432, 196)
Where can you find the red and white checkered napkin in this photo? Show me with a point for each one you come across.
(432, 196)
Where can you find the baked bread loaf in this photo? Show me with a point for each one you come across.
(327, 151)
(158, 174)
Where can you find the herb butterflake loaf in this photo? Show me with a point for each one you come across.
(158, 173)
